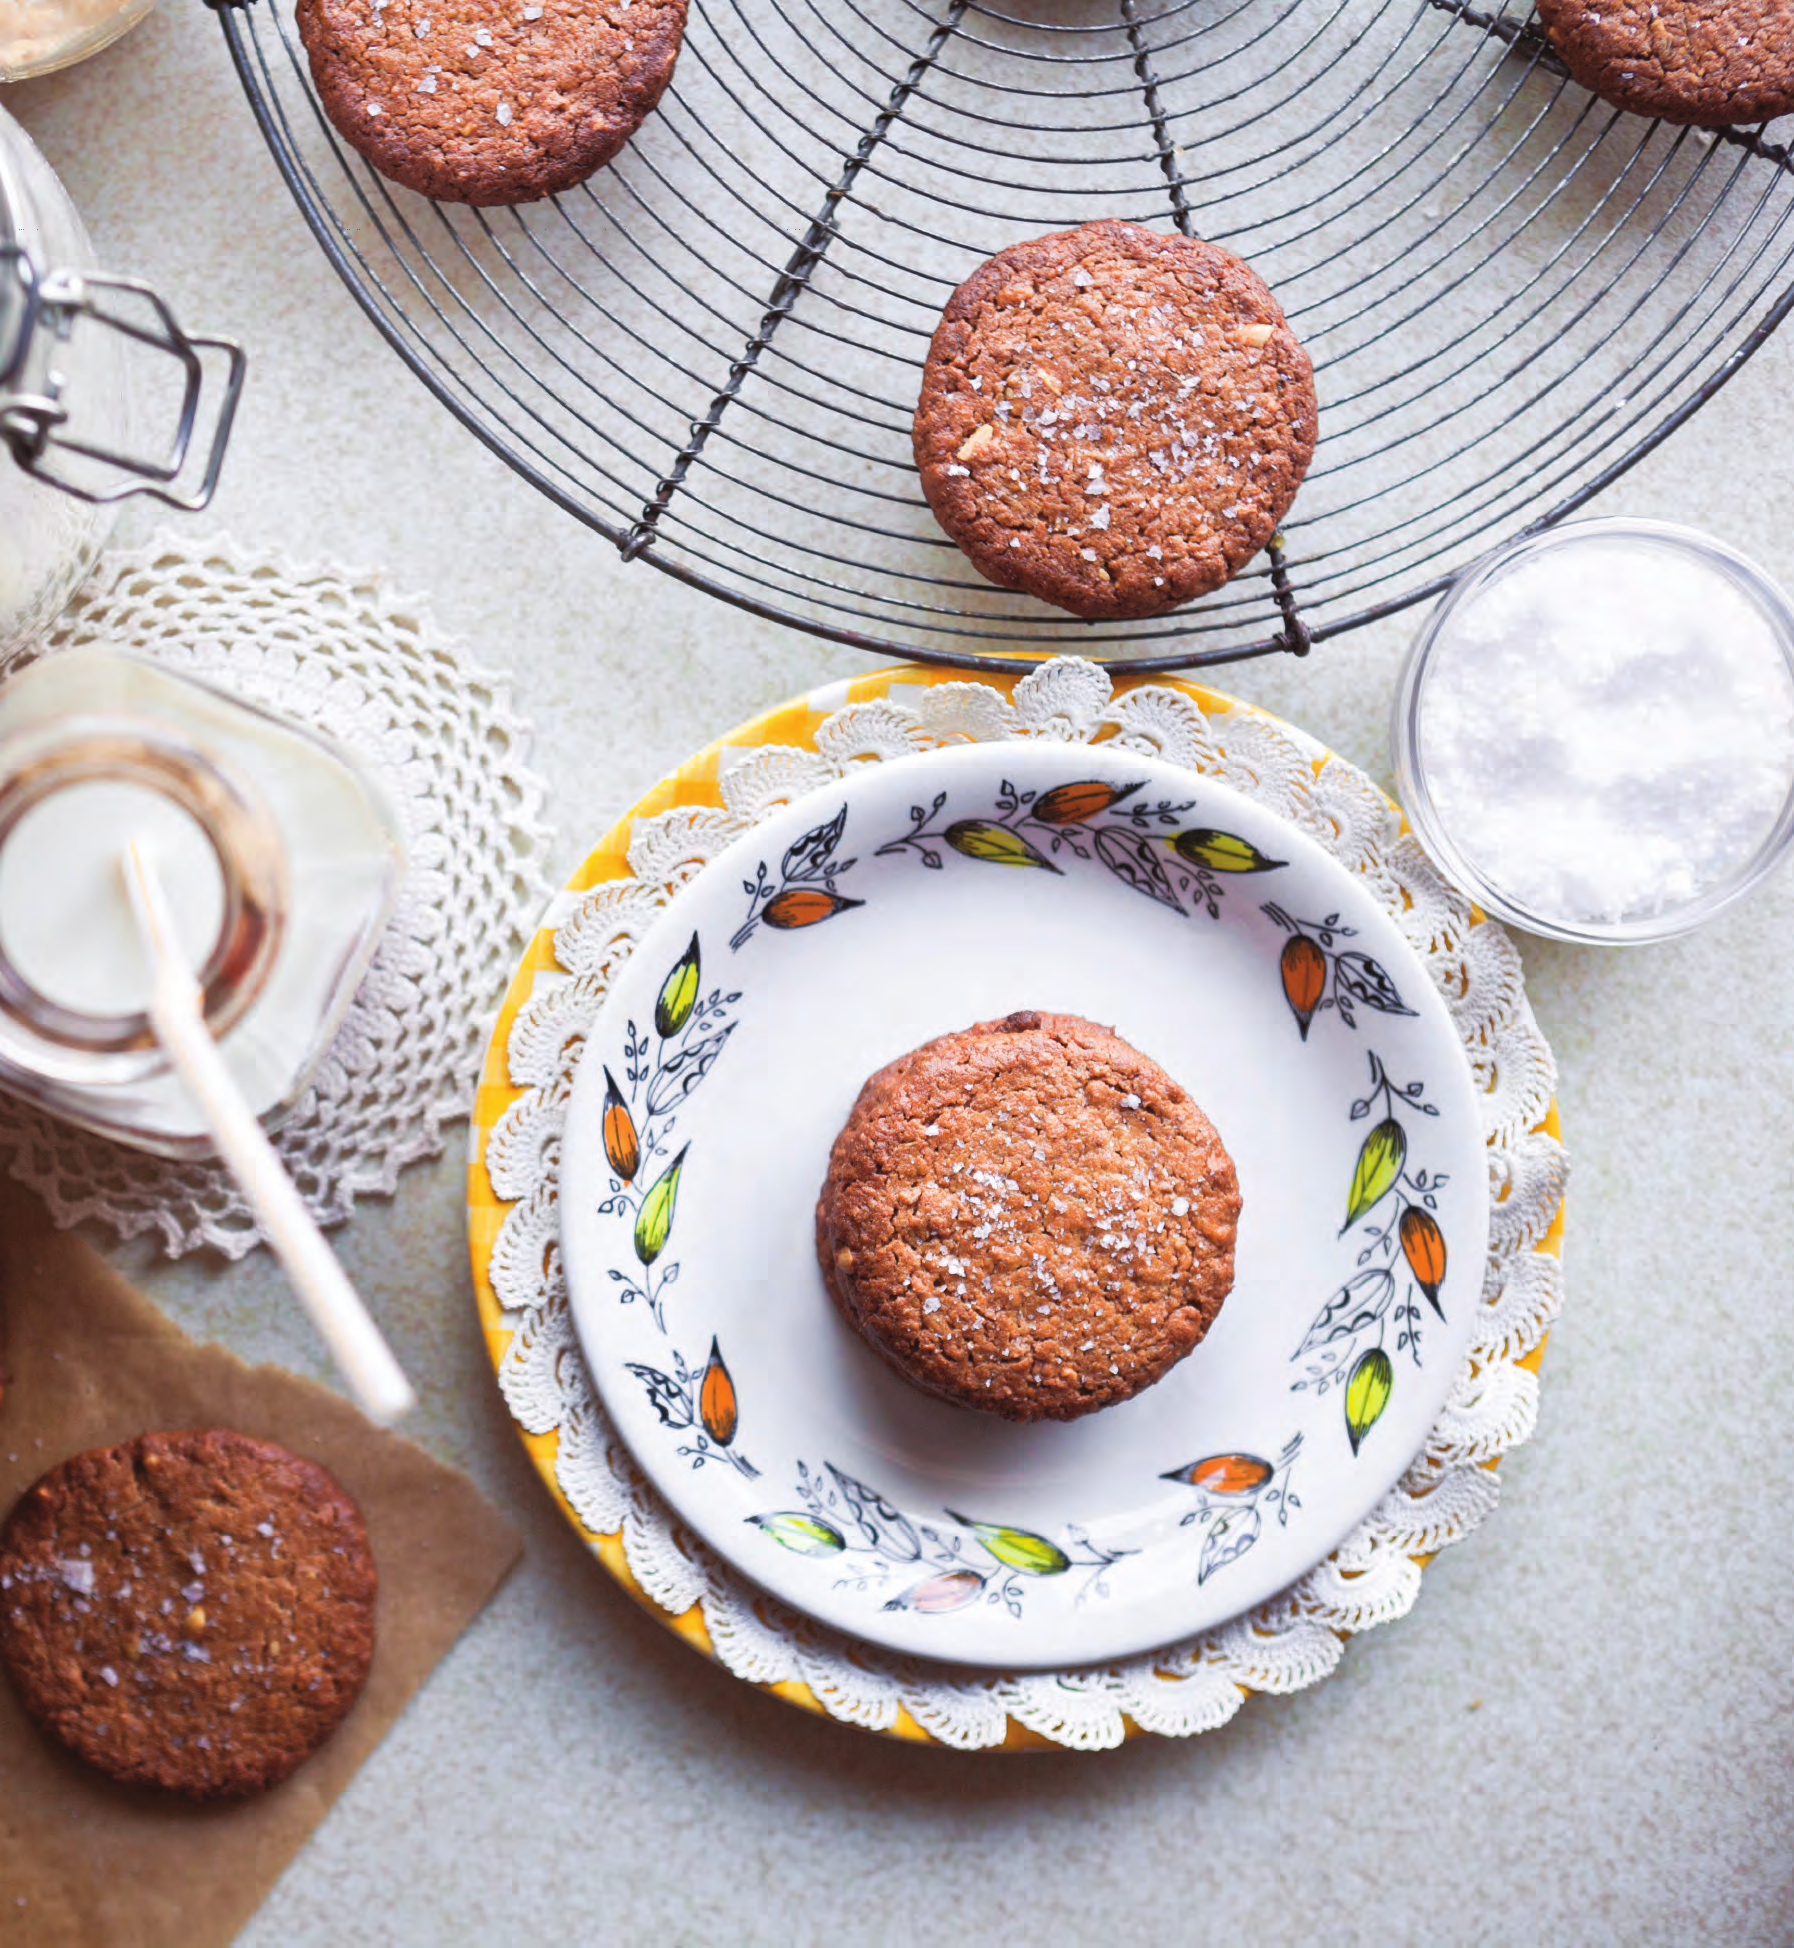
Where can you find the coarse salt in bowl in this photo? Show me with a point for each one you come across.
(1594, 734)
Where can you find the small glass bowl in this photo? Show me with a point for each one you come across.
(1454, 851)
(39, 36)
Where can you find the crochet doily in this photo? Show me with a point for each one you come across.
(341, 651)
(1295, 1639)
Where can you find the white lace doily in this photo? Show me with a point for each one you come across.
(1295, 1639)
(341, 651)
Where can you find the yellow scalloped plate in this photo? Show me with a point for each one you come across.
(695, 783)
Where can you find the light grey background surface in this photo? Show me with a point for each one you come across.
(1585, 1730)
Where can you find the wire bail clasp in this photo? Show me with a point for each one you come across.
(34, 412)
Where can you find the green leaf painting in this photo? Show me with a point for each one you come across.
(982, 838)
(804, 1534)
(1221, 852)
(1380, 1162)
(1019, 1549)
(1367, 1393)
(654, 1221)
(678, 993)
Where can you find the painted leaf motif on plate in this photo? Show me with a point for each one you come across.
(654, 1221)
(1018, 1548)
(996, 845)
(1380, 1160)
(678, 993)
(1367, 1393)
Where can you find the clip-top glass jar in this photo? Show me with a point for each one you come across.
(74, 345)
(281, 856)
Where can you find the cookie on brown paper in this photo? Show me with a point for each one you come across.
(193, 1611)
(1709, 63)
(1113, 418)
(1028, 1217)
(490, 101)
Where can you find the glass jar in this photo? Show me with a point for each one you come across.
(40, 36)
(1593, 734)
(75, 347)
(281, 856)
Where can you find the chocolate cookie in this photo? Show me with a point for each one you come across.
(191, 1611)
(1028, 1217)
(1706, 62)
(490, 101)
(1113, 419)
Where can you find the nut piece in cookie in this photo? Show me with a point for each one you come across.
(490, 101)
(1706, 62)
(193, 1611)
(1029, 1218)
(1113, 418)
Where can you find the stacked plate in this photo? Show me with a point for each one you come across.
(713, 1065)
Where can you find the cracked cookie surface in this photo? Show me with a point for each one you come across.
(1709, 63)
(490, 101)
(1113, 418)
(193, 1611)
(1028, 1217)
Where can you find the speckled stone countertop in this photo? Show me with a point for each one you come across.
(1584, 1732)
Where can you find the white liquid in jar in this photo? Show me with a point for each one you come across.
(65, 917)
(1607, 730)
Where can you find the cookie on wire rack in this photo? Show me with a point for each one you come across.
(1708, 63)
(1113, 418)
(474, 101)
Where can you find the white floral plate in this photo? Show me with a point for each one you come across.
(914, 899)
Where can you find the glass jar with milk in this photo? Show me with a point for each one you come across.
(280, 855)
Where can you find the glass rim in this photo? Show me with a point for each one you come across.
(1448, 852)
(109, 749)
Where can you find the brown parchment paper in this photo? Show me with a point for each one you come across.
(86, 1360)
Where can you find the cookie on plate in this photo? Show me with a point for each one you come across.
(490, 101)
(193, 1610)
(1706, 62)
(1028, 1217)
(1113, 418)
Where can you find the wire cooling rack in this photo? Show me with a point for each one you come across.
(710, 353)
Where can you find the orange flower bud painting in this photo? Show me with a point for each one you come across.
(700, 1403)
(1073, 804)
(1304, 970)
(622, 1148)
(1234, 1493)
(803, 906)
(1318, 972)
(1423, 1245)
(716, 1400)
(803, 894)
(1223, 1474)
